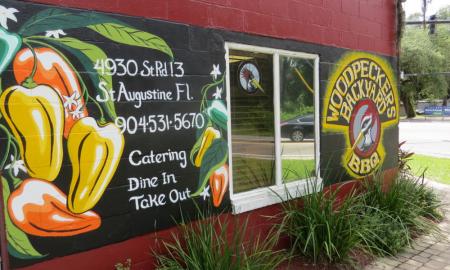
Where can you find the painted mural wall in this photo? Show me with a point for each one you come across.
(114, 127)
(110, 128)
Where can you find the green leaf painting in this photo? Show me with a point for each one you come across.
(52, 19)
(19, 245)
(88, 54)
(131, 36)
(214, 157)
(217, 112)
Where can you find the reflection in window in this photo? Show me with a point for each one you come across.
(252, 118)
(297, 118)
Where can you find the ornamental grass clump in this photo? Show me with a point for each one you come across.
(394, 215)
(321, 226)
(375, 219)
(219, 244)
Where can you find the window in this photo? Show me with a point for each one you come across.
(273, 131)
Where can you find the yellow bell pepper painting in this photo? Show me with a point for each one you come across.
(209, 135)
(36, 119)
(94, 151)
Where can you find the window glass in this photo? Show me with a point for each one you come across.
(297, 118)
(252, 120)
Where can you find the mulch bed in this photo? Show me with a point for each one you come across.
(302, 263)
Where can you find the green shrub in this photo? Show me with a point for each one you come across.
(392, 217)
(407, 198)
(381, 233)
(376, 220)
(208, 245)
(427, 200)
(319, 230)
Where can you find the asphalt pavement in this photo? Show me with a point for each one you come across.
(264, 148)
(426, 137)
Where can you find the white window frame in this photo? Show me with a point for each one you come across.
(265, 196)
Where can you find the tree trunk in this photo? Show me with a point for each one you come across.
(409, 106)
(445, 101)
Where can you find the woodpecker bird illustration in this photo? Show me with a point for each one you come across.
(365, 132)
(251, 81)
(366, 127)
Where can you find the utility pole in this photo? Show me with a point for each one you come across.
(424, 12)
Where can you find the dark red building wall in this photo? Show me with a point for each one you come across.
(367, 25)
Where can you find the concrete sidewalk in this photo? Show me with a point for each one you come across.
(427, 252)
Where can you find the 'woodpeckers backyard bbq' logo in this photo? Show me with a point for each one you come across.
(361, 101)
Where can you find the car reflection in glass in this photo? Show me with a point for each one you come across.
(298, 128)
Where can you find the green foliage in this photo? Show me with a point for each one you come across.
(320, 231)
(420, 55)
(209, 245)
(382, 234)
(295, 98)
(404, 157)
(377, 220)
(394, 215)
(425, 54)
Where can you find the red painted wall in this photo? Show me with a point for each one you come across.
(368, 25)
(140, 249)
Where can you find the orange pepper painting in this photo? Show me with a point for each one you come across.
(218, 182)
(39, 208)
(54, 71)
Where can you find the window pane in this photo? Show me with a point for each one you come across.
(297, 118)
(252, 118)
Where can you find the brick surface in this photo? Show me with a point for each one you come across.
(275, 8)
(191, 11)
(257, 23)
(350, 7)
(335, 5)
(222, 18)
(361, 18)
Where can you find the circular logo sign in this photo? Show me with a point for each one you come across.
(249, 77)
(361, 101)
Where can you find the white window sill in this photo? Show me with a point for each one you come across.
(261, 197)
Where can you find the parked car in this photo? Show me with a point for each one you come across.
(298, 128)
